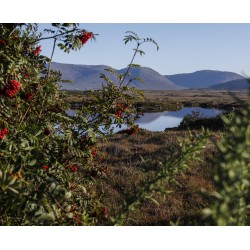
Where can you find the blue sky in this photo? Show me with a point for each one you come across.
(183, 47)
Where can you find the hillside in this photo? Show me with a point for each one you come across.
(85, 77)
(152, 79)
(203, 78)
(240, 84)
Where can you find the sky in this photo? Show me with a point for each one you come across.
(183, 47)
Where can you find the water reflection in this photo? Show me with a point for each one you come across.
(167, 119)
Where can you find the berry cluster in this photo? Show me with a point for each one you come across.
(10, 89)
(3, 132)
(103, 215)
(37, 50)
(2, 42)
(119, 109)
(45, 167)
(28, 96)
(26, 76)
(94, 152)
(85, 36)
(71, 168)
(132, 131)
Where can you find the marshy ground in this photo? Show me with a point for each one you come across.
(184, 199)
(157, 100)
(131, 160)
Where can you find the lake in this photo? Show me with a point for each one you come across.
(168, 119)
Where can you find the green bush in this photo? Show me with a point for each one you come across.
(47, 158)
(230, 204)
(195, 120)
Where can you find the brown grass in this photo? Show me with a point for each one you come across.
(176, 99)
(121, 153)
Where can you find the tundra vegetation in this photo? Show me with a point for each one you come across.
(61, 170)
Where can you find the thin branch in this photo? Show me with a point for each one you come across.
(126, 73)
(53, 50)
(12, 31)
(55, 36)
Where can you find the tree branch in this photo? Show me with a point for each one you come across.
(53, 50)
(55, 36)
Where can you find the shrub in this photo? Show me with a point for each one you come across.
(230, 204)
(47, 158)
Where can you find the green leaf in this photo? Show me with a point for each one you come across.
(32, 163)
(67, 195)
(12, 191)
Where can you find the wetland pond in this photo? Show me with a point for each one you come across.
(158, 121)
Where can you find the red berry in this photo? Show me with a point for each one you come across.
(131, 131)
(45, 167)
(73, 169)
(3, 132)
(2, 41)
(85, 36)
(119, 109)
(28, 96)
(37, 50)
(94, 152)
(10, 89)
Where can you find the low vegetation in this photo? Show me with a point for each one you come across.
(156, 101)
(132, 160)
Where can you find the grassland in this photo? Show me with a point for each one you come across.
(122, 156)
(176, 99)
(126, 171)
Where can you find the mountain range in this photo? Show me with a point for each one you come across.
(86, 77)
(239, 84)
(203, 78)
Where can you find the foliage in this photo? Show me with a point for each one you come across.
(230, 204)
(47, 158)
(195, 120)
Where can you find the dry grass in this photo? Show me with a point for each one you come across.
(202, 98)
(121, 154)
(176, 99)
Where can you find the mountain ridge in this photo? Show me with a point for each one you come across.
(239, 84)
(86, 77)
(203, 78)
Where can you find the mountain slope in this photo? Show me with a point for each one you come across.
(240, 84)
(82, 76)
(152, 79)
(203, 78)
(86, 77)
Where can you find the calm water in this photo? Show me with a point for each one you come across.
(167, 119)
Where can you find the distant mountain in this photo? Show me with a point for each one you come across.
(240, 84)
(85, 77)
(152, 79)
(203, 78)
